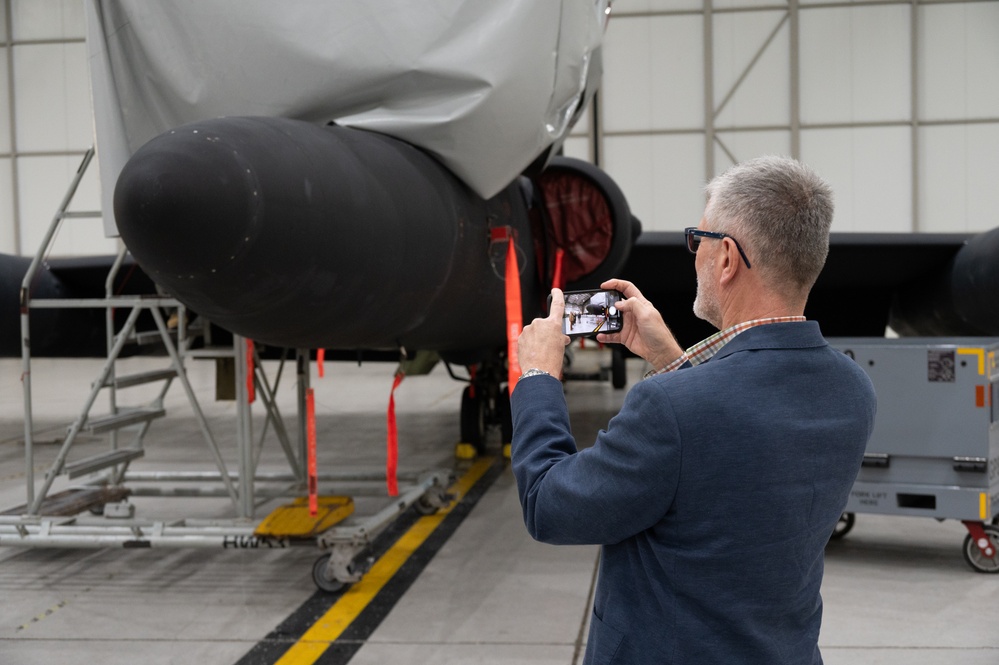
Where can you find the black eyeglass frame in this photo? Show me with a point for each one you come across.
(693, 235)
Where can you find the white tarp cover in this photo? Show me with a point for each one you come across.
(486, 86)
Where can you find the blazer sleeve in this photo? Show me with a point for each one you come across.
(620, 486)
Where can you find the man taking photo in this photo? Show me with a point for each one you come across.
(715, 489)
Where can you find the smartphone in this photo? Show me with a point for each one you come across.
(590, 312)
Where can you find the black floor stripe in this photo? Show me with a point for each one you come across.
(269, 650)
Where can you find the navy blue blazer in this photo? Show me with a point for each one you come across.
(713, 493)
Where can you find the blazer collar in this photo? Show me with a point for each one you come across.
(802, 335)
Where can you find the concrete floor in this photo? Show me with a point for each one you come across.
(897, 590)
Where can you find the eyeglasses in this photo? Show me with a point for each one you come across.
(694, 236)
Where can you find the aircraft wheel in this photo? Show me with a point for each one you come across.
(322, 579)
(843, 526)
(619, 375)
(473, 425)
(505, 416)
(973, 554)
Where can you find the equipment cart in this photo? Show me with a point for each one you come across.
(935, 447)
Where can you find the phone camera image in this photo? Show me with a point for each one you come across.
(591, 312)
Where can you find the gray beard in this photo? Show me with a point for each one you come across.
(706, 306)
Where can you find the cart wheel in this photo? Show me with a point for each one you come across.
(432, 501)
(425, 507)
(973, 555)
(843, 526)
(322, 579)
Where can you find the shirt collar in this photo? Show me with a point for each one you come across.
(707, 348)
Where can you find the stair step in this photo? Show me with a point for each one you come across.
(145, 337)
(123, 419)
(212, 352)
(74, 501)
(129, 380)
(102, 461)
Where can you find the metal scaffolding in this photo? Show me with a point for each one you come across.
(98, 512)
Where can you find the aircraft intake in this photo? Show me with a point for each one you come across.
(959, 298)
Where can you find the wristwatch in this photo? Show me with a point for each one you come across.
(534, 371)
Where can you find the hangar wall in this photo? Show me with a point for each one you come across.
(896, 102)
(46, 125)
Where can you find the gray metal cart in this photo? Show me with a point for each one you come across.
(935, 447)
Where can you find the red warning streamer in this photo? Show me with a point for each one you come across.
(320, 359)
(392, 441)
(514, 317)
(310, 420)
(557, 277)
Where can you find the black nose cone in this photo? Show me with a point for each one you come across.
(186, 203)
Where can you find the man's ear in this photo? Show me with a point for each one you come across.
(730, 261)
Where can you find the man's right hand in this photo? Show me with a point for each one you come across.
(643, 332)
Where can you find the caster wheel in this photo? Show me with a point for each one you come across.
(322, 580)
(843, 526)
(973, 553)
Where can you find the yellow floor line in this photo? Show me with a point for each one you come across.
(331, 625)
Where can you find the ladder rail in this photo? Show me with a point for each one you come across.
(206, 431)
(81, 420)
(117, 459)
(109, 337)
(25, 304)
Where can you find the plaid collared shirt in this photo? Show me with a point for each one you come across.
(707, 348)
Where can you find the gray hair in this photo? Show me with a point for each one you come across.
(780, 211)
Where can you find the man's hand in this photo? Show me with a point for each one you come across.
(643, 331)
(542, 343)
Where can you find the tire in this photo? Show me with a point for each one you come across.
(973, 555)
(505, 416)
(843, 526)
(473, 426)
(619, 374)
(322, 580)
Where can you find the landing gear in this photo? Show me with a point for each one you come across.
(619, 375)
(482, 408)
(473, 418)
(485, 404)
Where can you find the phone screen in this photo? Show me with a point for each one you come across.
(592, 312)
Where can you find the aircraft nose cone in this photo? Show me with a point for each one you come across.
(186, 203)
